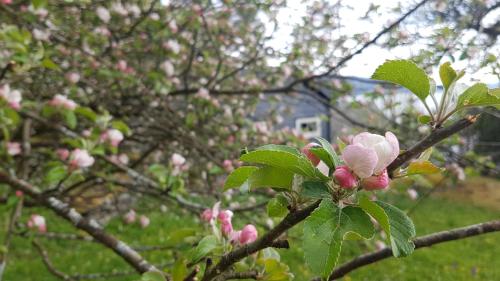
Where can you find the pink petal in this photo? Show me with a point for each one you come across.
(344, 177)
(360, 159)
(393, 140)
(376, 182)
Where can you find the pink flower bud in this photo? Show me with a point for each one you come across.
(62, 154)
(73, 77)
(207, 215)
(248, 234)
(345, 178)
(234, 237)
(228, 165)
(129, 217)
(121, 65)
(62, 101)
(225, 216)
(227, 228)
(13, 148)
(12, 97)
(38, 222)
(19, 193)
(307, 152)
(144, 221)
(113, 136)
(376, 182)
(178, 160)
(80, 158)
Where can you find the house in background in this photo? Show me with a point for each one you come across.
(312, 118)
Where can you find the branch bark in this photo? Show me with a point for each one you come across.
(62, 209)
(420, 242)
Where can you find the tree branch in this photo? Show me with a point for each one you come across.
(48, 263)
(420, 242)
(62, 209)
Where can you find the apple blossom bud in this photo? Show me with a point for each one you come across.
(19, 193)
(228, 165)
(178, 160)
(225, 216)
(306, 150)
(227, 228)
(80, 158)
(234, 237)
(412, 193)
(129, 217)
(144, 221)
(38, 222)
(62, 101)
(207, 215)
(13, 148)
(113, 136)
(376, 182)
(62, 154)
(345, 178)
(248, 234)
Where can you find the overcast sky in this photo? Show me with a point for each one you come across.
(364, 64)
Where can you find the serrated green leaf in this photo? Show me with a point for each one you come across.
(238, 177)
(284, 160)
(277, 207)
(447, 74)
(478, 95)
(323, 155)
(206, 245)
(276, 271)
(153, 276)
(402, 230)
(273, 177)
(405, 73)
(422, 167)
(324, 231)
(377, 213)
(315, 189)
(327, 146)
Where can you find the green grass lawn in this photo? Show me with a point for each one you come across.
(470, 259)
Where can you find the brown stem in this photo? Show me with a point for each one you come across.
(420, 242)
(48, 263)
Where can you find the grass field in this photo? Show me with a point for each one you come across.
(470, 259)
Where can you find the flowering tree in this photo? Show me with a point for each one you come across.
(140, 97)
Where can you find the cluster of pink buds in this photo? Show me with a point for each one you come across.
(244, 236)
(61, 101)
(37, 222)
(366, 159)
(112, 136)
(179, 164)
(131, 217)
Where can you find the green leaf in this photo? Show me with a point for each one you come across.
(70, 118)
(12, 115)
(48, 63)
(55, 174)
(377, 213)
(405, 73)
(206, 245)
(327, 146)
(179, 271)
(402, 230)
(324, 232)
(478, 95)
(315, 189)
(86, 112)
(273, 177)
(239, 177)
(447, 74)
(424, 119)
(121, 126)
(279, 147)
(422, 167)
(323, 155)
(284, 160)
(276, 271)
(153, 276)
(277, 207)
